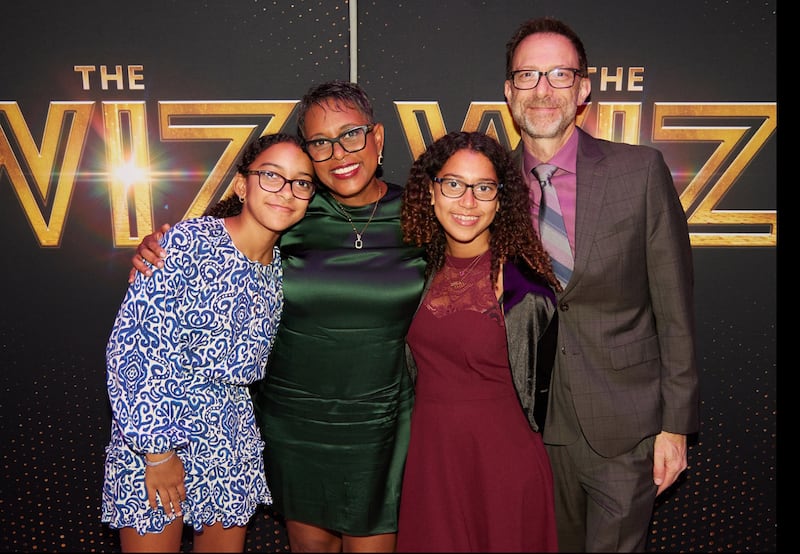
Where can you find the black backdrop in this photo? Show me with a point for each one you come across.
(696, 79)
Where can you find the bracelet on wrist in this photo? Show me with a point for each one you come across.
(159, 462)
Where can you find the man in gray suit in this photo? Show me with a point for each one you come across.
(624, 391)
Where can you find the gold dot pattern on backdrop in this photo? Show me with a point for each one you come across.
(54, 434)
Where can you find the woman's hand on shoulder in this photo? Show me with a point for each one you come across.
(149, 250)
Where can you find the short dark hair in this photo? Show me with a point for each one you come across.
(336, 92)
(545, 25)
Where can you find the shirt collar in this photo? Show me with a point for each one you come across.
(566, 159)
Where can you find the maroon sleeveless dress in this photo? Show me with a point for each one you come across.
(477, 477)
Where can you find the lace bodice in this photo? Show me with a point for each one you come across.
(463, 284)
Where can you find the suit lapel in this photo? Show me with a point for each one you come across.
(593, 178)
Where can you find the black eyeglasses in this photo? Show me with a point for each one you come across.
(270, 181)
(485, 191)
(558, 77)
(352, 140)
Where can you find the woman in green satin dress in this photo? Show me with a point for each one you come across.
(335, 405)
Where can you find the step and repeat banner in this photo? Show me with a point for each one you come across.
(118, 116)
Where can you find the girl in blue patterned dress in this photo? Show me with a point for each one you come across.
(185, 448)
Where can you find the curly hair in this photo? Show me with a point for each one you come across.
(231, 205)
(512, 233)
(337, 92)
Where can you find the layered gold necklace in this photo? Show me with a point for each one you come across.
(358, 244)
(460, 276)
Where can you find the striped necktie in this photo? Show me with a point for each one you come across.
(552, 230)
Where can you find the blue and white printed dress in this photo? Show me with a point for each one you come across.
(184, 347)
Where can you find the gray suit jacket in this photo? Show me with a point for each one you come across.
(626, 352)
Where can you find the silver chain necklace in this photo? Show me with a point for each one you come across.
(358, 244)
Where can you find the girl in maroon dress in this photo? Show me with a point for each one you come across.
(480, 349)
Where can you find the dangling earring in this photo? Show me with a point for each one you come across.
(241, 199)
(380, 158)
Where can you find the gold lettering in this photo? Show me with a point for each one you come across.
(84, 71)
(728, 137)
(105, 77)
(498, 112)
(128, 150)
(135, 75)
(620, 122)
(481, 116)
(42, 163)
(411, 114)
(492, 118)
(635, 76)
(606, 78)
(45, 191)
(237, 135)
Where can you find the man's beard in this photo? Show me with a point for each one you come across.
(536, 128)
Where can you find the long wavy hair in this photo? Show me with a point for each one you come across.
(512, 233)
(230, 205)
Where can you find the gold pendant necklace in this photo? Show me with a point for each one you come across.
(464, 273)
(358, 244)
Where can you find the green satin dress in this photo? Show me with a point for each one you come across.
(335, 406)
